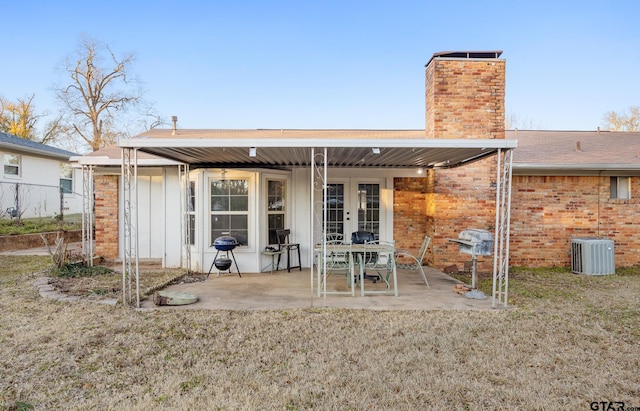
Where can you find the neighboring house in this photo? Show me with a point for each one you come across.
(569, 184)
(37, 180)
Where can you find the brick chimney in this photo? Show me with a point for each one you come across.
(465, 95)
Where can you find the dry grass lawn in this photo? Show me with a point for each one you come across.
(569, 340)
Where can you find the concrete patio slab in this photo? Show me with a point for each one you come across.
(283, 290)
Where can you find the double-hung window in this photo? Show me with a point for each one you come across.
(66, 178)
(12, 165)
(620, 187)
(230, 209)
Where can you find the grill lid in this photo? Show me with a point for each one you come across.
(225, 243)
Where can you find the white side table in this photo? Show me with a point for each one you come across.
(271, 267)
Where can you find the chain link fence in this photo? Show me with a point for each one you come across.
(21, 201)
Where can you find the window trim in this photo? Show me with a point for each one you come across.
(65, 167)
(285, 207)
(233, 175)
(18, 166)
(192, 207)
(615, 183)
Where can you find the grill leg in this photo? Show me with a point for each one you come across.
(474, 270)
(212, 263)
(236, 263)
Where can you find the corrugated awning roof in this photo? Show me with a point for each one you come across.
(292, 148)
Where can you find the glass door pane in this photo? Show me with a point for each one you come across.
(369, 208)
(276, 190)
(335, 208)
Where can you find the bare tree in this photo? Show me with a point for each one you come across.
(628, 120)
(102, 92)
(513, 121)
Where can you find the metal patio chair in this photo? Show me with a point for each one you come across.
(338, 260)
(415, 260)
(378, 260)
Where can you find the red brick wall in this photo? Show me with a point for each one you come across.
(548, 211)
(411, 221)
(106, 215)
(464, 198)
(465, 98)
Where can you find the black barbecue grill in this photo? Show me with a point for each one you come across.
(226, 244)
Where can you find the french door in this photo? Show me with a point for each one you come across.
(354, 205)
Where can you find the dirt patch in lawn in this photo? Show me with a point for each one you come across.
(107, 285)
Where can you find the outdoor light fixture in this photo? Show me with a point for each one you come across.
(376, 150)
(420, 170)
(252, 151)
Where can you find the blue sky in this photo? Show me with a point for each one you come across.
(334, 64)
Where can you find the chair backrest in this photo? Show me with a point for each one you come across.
(374, 257)
(283, 236)
(335, 237)
(339, 252)
(423, 248)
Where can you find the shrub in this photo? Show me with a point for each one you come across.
(79, 269)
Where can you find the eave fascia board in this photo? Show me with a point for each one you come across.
(576, 169)
(107, 161)
(317, 143)
(34, 151)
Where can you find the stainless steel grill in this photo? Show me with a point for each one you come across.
(475, 242)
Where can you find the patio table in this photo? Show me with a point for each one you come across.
(357, 253)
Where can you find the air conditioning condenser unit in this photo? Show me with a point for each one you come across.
(592, 256)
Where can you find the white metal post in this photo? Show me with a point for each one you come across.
(87, 215)
(130, 261)
(502, 229)
(311, 214)
(185, 227)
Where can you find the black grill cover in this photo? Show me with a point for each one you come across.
(360, 237)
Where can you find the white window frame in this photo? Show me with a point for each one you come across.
(8, 163)
(192, 206)
(282, 211)
(620, 188)
(249, 212)
(66, 175)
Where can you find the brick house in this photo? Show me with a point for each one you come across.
(564, 184)
(400, 184)
(569, 184)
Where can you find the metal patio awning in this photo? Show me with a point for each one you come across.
(243, 152)
(319, 150)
